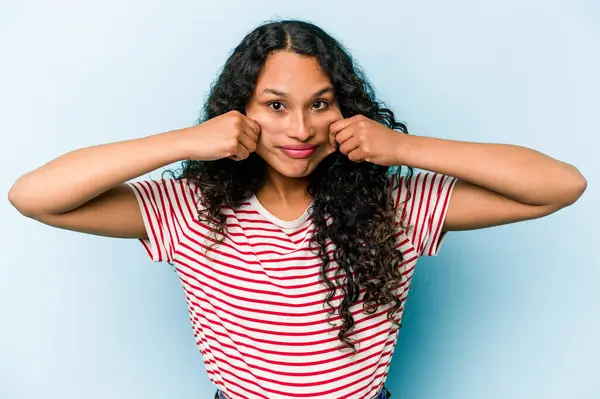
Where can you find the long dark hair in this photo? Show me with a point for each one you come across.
(355, 195)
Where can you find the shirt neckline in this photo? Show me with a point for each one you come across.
(286, 224)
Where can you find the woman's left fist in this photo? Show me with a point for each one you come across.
(363, 139)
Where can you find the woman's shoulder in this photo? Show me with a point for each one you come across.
(420, 202)
(167, 190)
(419, 193)
(417, 182)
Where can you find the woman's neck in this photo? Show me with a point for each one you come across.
(278, 187)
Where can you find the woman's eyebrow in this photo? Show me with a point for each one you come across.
(284, 94)
(328, 89)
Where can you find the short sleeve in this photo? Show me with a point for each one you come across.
(421, 208)
(166, 206)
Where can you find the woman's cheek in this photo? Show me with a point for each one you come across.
(333, 115)
(270, 129)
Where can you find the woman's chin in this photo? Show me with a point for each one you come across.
(292, 168)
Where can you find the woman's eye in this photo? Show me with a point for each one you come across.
(276, 106)
(319, 105)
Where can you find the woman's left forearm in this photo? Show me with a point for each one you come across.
(519, 173)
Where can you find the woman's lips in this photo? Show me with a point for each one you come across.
(298, 151)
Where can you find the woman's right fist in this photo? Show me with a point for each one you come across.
(232, 135)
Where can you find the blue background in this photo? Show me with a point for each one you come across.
(508, 312)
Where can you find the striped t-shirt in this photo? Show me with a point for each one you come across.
(256, 305)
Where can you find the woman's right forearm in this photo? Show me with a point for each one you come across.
(74, 178)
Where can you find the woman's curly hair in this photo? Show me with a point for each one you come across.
(354, 195)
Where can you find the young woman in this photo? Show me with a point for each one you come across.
(294, 236)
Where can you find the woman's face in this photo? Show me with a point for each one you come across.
(295, 104)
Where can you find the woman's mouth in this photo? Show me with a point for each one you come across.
(298, 151)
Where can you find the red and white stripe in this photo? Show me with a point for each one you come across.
(255, 304)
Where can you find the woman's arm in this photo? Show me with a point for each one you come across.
(83, 190)
(498, 183)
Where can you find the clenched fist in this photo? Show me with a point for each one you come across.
(232, 135)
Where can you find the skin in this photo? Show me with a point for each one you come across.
(498, 183)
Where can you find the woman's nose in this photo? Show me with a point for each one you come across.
(301, 127)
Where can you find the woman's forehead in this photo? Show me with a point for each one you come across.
(291, 73)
